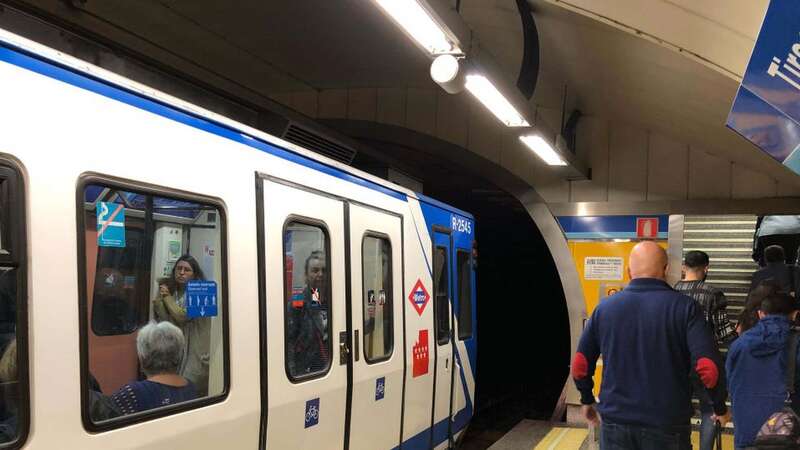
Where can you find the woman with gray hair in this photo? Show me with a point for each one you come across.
(161, 349)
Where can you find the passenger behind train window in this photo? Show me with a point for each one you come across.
(161, 348)
(376, 256)
(150, 257)
(9, 361)
(308, 335)
(8, 381)
(170, 305)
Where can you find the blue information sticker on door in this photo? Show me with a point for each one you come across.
(201, 298)
(380, 388)
(110, 224)
(312, 412)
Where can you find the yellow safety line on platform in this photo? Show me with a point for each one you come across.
(727, 441)
(563, 439)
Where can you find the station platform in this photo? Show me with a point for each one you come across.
(539, 435)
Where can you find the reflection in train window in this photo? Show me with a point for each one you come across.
(153, 299)
(440, 298)
(376, 253)
(13, 342)
(464, 274)
(308, 305)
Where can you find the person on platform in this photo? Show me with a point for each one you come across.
(775, 269)
(756, 368)
(651, 337)
(712, 304)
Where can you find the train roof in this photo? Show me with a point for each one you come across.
(23, 52)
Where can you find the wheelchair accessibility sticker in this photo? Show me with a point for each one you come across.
(110, 224)
(312, 412)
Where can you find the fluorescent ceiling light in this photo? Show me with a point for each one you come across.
(484, 90)
(410, 15)
(543, 150)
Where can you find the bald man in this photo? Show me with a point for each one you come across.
(650, 337)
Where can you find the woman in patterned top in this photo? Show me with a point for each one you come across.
(161, 352)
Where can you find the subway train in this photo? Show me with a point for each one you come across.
(318, 306)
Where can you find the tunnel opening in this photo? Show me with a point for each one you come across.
(522, 323)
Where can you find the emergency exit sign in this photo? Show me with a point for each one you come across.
(646, 227)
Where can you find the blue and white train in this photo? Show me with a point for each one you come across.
(106, 183)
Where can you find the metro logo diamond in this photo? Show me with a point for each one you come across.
(419, 297)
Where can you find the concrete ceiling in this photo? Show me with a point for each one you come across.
(619, 76)
(610, 72)
(278, 46)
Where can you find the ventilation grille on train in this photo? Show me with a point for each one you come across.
(316, 143)
(728, 240)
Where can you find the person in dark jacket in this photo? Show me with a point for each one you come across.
(712, 303)
(650, 337)
(307, 332)
(748, 318)
(756, 368)
(775, 269)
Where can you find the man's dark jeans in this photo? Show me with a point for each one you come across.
(635, 437)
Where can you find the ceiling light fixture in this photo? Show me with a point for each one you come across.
(543, 150)
(493, 100)
(445, 72)
(420, 25)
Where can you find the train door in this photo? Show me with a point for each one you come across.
(440, 420)
(306, 359)
(377, 324)
(463, 336)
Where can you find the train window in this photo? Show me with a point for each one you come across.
(440, 298)
(376, 254)
(13, 323)
(308, 338)
(153, 330)
(464, 273)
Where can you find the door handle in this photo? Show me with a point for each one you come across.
(355, 346)
(344, 350)
(446, 363)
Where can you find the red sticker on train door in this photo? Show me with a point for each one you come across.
(420, 353)
(419, 297)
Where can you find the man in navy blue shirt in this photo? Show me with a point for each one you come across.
(650, 337)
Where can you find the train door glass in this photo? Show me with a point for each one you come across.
(376, 280)
(462, 302)
(464, 283)
(153, 303)
(440, 420)
(13, 311)
(301, 242)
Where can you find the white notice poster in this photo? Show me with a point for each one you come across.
(602, 268)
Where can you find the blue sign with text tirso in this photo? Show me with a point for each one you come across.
(201, 298)
(766, 109)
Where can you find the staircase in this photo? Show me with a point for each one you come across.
(728, 240)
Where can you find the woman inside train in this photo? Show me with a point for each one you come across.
(161, 350)
(170, 305)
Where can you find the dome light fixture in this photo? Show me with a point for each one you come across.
(445, 71)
